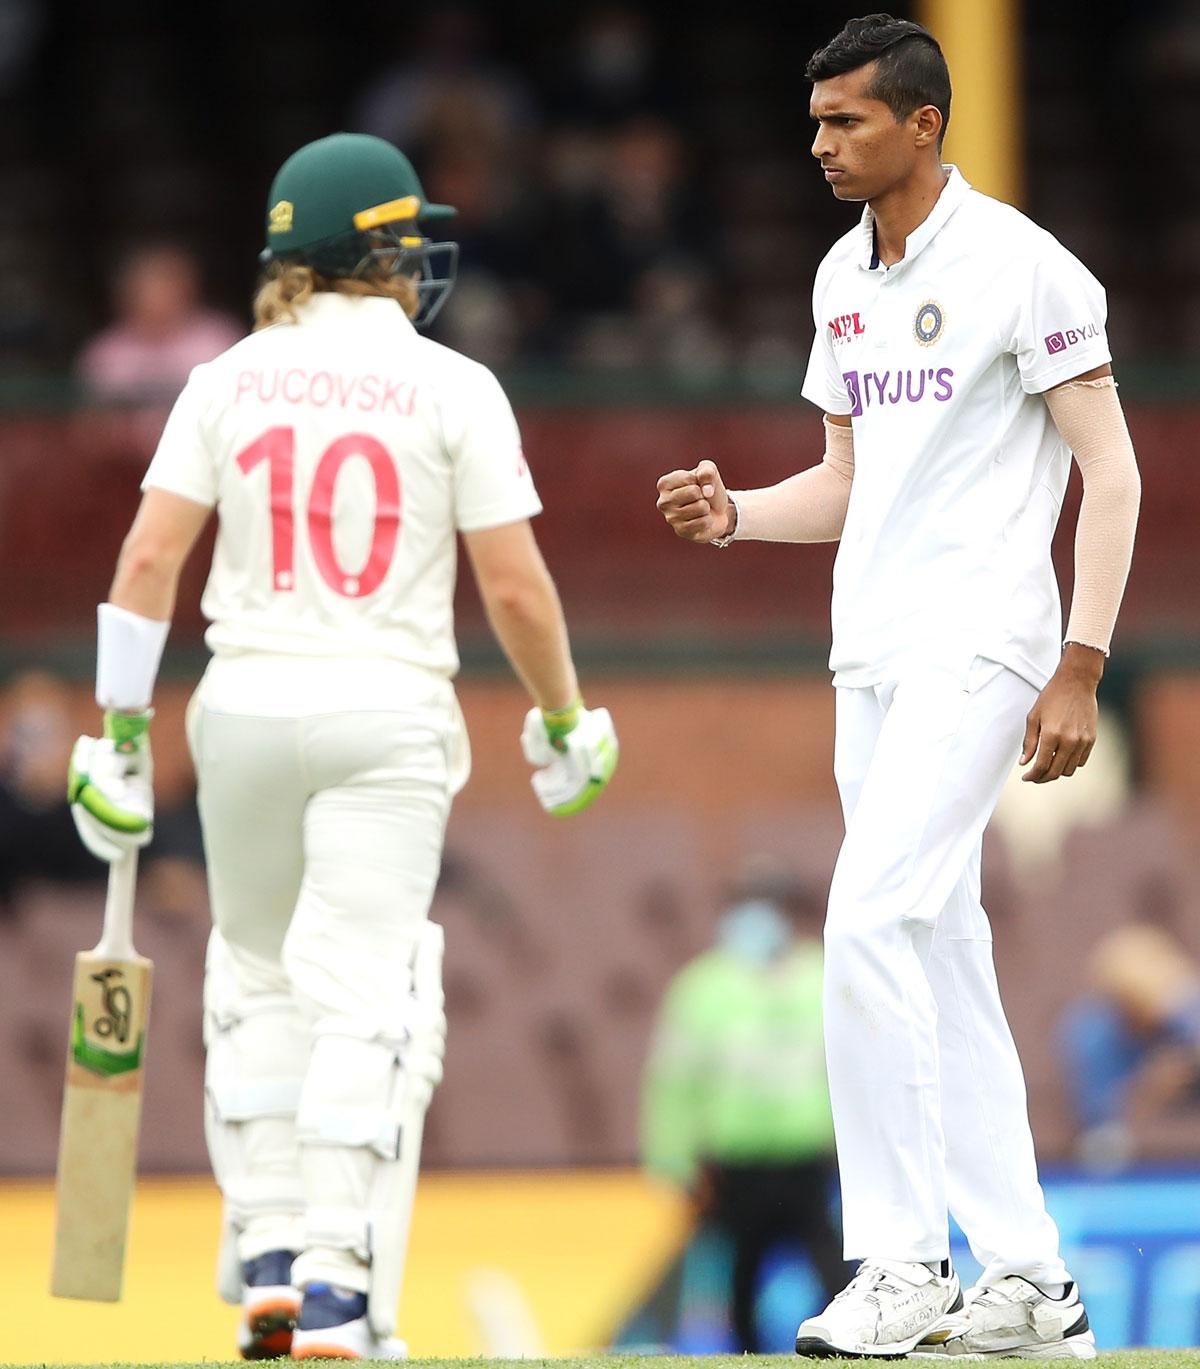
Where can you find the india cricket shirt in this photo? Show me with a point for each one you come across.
(941, 361)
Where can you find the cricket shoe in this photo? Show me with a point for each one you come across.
(270, 1306)
(1014, 1318)
(333, 1325)
(888, 1308)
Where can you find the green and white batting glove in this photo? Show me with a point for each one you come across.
(573, 751)
(110, 786)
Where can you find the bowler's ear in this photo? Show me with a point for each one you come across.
(928, 125)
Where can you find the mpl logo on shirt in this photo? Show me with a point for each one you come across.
(1059, 342)
(873, 389)
(844, 327)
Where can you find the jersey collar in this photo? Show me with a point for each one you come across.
(954, 192)
(327, 306)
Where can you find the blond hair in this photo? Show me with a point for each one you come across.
(290, 284)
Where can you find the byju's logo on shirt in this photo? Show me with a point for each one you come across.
(875, 388)
(1059, 342)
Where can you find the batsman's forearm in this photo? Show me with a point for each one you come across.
(528, 621)
(145, 583)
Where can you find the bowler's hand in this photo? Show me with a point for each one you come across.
(695, 503)
(1060, 730)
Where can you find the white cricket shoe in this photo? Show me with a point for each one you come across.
(333, 1325)
(888, 1308)
(1013, 1317)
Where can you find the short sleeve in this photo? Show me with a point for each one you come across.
(824, 385)
(183, 463)
(492, 483)
(1057, 329)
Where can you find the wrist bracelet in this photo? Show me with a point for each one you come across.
(721, 542)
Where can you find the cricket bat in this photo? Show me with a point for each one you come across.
(102, 1102)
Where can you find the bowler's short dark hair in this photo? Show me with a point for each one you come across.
(912, 71)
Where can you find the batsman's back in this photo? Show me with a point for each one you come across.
(343, 453)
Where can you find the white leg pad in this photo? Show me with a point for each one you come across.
(257, 1054)
(362, 1110)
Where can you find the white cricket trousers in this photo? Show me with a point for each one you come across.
(929, 1103)
(323, 839)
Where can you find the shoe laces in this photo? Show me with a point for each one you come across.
(870, 1280)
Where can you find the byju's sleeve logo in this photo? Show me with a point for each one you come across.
(1059, 342)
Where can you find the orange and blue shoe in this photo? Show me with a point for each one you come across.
(270, 1306)
(333, 1325)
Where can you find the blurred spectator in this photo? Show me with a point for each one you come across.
(735, 1102)
(1138, 1027)
(37, 836)
(21, 24)
(38, 840)
(161, 332)
(610, 70)
(446, 96)
(626, 209)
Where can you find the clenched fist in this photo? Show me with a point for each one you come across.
(695, 503)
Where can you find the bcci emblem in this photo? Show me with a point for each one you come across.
(280, 218)
(928, 324)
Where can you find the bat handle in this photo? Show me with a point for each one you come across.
(116, 940)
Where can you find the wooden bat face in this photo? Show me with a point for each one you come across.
(102, 1105)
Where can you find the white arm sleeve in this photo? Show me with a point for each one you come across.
(1089, 418)
(809, 507)
(128, 651)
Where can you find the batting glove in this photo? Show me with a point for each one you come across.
(573, 751)
(110, 786)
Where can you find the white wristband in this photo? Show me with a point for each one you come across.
(128, 651)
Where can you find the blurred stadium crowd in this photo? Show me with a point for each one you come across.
(634, 191)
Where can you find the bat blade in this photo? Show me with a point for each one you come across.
(102, 1105)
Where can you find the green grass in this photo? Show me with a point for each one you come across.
(1113, 1359)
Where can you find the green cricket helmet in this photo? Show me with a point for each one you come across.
(350, 201)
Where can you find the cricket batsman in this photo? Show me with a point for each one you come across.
(343, 453)
(960, 358)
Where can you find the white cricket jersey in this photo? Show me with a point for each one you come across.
(343, 454)
(959, 472)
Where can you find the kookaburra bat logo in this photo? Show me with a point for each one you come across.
(117, 1005)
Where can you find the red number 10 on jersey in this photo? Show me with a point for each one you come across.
(277, 448)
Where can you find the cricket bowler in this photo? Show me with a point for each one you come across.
(343, 454)
(960, 358)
